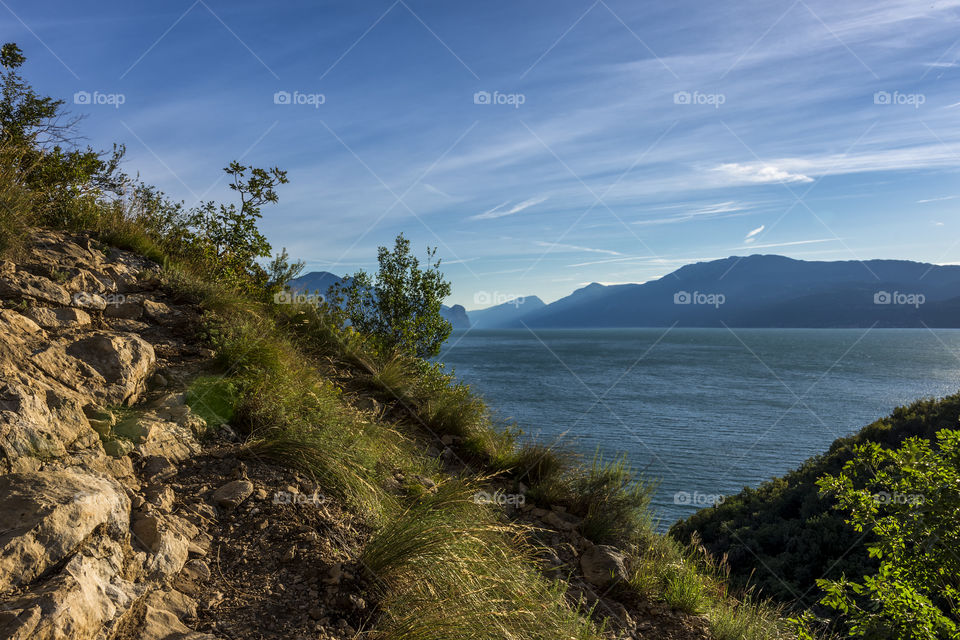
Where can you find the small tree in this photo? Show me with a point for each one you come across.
(227, 234)
(401, 308)
(909, 499)
(38, 147)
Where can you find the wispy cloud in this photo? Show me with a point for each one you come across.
(499, 211)
(940, 199)
(716, 210)
(433, 189)
(752, 236)
(787, 244)
(757, 173)
(573, 247)
(584, 264)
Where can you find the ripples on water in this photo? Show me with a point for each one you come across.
(703, 411)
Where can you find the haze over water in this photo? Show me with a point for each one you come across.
(705, 412)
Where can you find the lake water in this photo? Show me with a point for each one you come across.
(706, 412)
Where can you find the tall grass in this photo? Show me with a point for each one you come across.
(447, 568)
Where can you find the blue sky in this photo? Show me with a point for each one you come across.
(616, 140)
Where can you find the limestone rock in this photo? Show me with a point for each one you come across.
(168, 548)
(21, 284)
(602, 565)
(158, 468)
(18, 329)
(48, 515)
(158, 311)
(162, 618)
(75, 603)
(128, 310)
(38, 422)
(233, 493)
(123, 361)
(153, 436)
(60, 318)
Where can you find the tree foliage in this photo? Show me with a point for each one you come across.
(909, 498)
(48, 179)
(784, 535)
(400, 308)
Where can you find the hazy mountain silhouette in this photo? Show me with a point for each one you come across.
(769, 291)
(505, 314)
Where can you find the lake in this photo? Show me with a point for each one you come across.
(705, 412)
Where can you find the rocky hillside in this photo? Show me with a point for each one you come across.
(115, 521)
(123, 514)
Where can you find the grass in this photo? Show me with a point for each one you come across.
(687, 579)
(444, 566)
(745, 620)
(448, 568)
(213, 398)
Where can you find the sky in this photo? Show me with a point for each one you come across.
(540, 146)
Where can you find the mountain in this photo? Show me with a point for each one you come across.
(505, 314)
(314, 281)
(456, 316)
(322, 281)
(769, 291)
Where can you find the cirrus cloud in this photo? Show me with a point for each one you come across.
(758, 173)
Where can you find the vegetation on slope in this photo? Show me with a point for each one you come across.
(785, 535)
(909, 499)
(292, 375)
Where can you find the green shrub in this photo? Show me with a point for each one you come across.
(909, 498)
(400, 309)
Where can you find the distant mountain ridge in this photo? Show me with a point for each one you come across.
(748, 291)
(769, 291)
(506, 313)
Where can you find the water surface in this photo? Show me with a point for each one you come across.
(704, 411)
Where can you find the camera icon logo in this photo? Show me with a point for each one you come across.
(681, 97)
(682, 297)
(481, 97)
(882, 297)
(482, 297)
(881, 97)
(81, 97)
(281, 97)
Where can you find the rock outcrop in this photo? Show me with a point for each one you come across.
(88, 542)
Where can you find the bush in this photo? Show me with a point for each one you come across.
(909, 498)
(400, 310)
